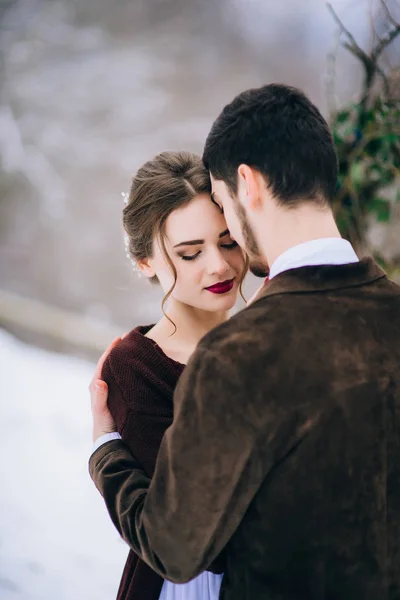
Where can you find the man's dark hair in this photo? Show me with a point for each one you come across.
(278, 131)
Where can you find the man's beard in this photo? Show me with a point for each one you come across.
(257, 265)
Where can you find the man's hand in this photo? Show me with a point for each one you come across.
(102, 419)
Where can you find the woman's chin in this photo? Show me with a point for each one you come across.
(223, 301)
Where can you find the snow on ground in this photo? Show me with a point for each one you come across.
(56, 539)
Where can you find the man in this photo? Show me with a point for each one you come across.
(285, 446)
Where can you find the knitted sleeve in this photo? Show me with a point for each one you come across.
(138, 407)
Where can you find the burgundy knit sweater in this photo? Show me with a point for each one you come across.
(141, 380)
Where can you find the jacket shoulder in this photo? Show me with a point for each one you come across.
(246, 328)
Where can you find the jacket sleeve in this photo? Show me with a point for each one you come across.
(208, 470)
(140, 430)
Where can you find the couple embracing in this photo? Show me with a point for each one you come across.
(256, 457)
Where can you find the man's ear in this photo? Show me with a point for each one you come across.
(249, 182)
(145, 266)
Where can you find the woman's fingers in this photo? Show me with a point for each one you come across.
(100, 363)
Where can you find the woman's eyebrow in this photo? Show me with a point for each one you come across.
(214, 199)
(190, 243)
(199, 242)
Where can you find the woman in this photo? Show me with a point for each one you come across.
(176, 235)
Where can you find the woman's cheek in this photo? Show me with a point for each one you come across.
(237, 260)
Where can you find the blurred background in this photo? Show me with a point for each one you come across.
(90, 89)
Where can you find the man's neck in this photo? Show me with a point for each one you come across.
(297, 226)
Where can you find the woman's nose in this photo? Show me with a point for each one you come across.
(218, 264)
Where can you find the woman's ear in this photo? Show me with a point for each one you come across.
(145, 266)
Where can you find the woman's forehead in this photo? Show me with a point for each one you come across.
(199, 219)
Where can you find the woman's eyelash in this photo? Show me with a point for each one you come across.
(190, 257)
(230, 246)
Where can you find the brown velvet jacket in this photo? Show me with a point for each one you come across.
(284, 450)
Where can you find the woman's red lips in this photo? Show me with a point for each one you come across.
(221, 288)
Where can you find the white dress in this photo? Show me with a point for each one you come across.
(205, 586)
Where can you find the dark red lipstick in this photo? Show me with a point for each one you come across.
(221, 288)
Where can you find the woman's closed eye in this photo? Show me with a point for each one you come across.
(190, 256)
(229, 246)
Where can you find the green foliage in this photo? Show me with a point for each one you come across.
(368, 147)
(367, 138)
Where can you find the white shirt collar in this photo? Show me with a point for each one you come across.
(325, 251)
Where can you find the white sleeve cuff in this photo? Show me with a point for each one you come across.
(106, 437)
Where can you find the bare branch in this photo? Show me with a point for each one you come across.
(374, 33)
(389, 15)
(352, 44)
(369, 62)
(331, 76)
(385, 81)
(385, 41)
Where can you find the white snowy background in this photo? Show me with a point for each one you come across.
(56, 539)
(89, 89)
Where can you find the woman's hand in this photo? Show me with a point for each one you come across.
(102, 419)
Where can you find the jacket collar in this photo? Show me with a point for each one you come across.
(322, 278)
